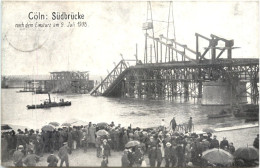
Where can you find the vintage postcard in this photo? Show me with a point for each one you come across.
(130, 84)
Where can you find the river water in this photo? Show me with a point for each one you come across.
(126, 111)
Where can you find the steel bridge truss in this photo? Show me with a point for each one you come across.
(172, 69)
(186, 82)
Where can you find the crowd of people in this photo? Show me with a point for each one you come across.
(157, 144)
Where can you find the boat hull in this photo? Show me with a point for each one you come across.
(54, 104)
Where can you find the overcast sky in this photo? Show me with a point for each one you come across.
(114, 28)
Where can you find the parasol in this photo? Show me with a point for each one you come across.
(66, 124)
(48, 128)
(132, 144)
(55, 124)
(218, 156)
(102, 124)
(102, 133)
(246, 153)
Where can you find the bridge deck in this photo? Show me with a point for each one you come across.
(204, 63)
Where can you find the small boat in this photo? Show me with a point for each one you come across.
(49, 104)
(41, 92)
(222, 114)
(246, 111)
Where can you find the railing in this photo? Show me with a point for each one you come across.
(110, 78)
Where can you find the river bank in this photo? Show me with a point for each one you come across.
(240, 138)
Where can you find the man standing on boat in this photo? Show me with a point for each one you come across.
(173, 124)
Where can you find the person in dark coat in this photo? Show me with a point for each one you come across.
(31, 159)
(104, 162)
(4, 148)
(74, 138)
(61, 140)
(13, 140)
(116, 138)
(52, 160)
(85, 142)
(214, 143)
(159, 157)
(106, 148)
(70, 141)
(38, 146)
(18, 156)
(152, 156)
(124, 160)
(131, 157)
(173, 124)
(173, 156)
(167, 154)
(180, 155)
(256, 142)
(125, 138)
(224, 143)
(63, 155)
(138, 156)
(190, 125)
(231, 148)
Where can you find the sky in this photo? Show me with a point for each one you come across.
(114, 28)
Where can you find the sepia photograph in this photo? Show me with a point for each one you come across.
(130, 83)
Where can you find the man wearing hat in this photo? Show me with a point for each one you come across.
(52, 160)
(214, 143)
(18, 156)
(224, 143)
(30, 159)
(190, 125)
(124, 160)
(167, 154)
(256, 142)
(152, 156)
(63, 154)
(138, 155)
(105, 148)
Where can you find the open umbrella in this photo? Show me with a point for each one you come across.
(208, 130)
(5, 128)
(48, 128)
(218, 156)
(102, 124)
(246, 153)
(66, 124)
(55, 124)
(132, 144)
(102, 133)
(79, 123)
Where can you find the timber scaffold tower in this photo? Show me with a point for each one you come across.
(171, 69)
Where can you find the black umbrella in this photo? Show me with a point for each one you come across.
(102, 133)
(102, 124)
(5, 128)
(48, 128)
(132, 144)
(66, 124)
(55, 124)
(218, 156)
(246, 153)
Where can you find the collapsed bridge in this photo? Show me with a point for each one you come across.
(172, 69)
